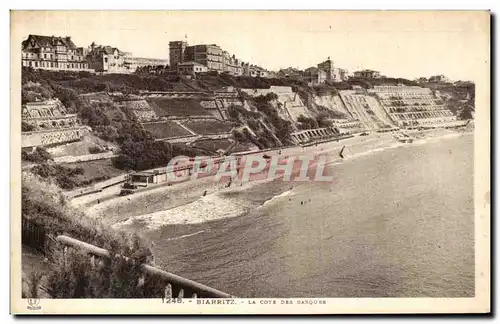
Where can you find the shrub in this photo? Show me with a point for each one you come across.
(252, 139)
(75, 277)
(40, 155)
(59, 173)
(34, 281)
(95, 150)
(107, 133)
(255, 125)
(25, 127)
(65, 177)
(67, 96)
(238, 136)
(466, 112)
(323, 120)
(307, 122)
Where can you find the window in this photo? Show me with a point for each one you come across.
(105, 60)
(44, 56)
(36, 64)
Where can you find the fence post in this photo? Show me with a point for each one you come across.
(141, 280)
(168, 291)
(65, 256)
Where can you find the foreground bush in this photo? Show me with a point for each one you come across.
(64, 177)
(75, 276)
(43, 203)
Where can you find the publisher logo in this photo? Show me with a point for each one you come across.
(34, 304)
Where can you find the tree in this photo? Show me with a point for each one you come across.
(25, 127)
(323, 120)
(238, 136)
(307, 122)
(40, 155)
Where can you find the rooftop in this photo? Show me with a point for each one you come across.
(48, 41)
(107, 49)
(367, 70)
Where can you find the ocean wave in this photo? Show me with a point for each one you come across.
(276, 197)
(438, 138)
(184, 236)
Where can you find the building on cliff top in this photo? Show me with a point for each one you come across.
(367, 74)
(333, 74)
(108, 59)
(213, 57)
(53, 53)
(439, 79)
(191, 68)
(61, 54)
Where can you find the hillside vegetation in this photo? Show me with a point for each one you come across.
(261, 125)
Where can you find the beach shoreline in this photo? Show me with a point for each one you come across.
(201, 200)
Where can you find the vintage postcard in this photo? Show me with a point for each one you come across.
(250, 162)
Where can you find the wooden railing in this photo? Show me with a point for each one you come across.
(175, 287)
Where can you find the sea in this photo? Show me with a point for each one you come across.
(395, 222)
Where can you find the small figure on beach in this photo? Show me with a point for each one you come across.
(301, 202)
(341, 152)
(204, 193)
(98, 201)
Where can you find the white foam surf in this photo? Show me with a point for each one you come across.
(184, 236)
(276, 197)
(208, 208)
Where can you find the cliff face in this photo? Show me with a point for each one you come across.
(275, 115)
(270, 110)
(333, 103)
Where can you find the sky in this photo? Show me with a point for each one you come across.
(398, 44)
